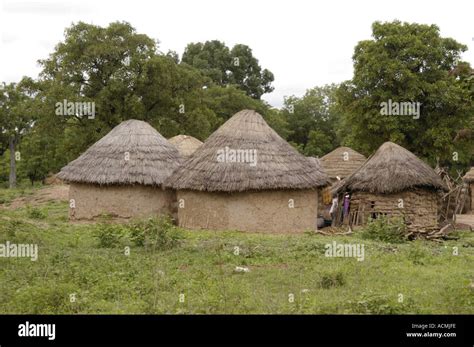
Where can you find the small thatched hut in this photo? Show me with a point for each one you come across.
(122, 174)
(341, 162)
(185, 144)
(469, 180)
(393, 181)
(246, 177)
(315, 161)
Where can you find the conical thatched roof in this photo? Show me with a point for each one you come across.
(185, 144)
(315, 161)
(277, 166)
(392, 169)
(469, 176)
(151, 158)
(342, 162)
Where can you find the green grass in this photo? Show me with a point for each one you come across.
(202, 267)
(8, 195)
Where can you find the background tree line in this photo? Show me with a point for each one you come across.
(126, 75)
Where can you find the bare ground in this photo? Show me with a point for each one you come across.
(467, 219)
(58, 192)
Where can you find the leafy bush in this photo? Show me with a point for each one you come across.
(417, 254)
(109, 235)
(18, 231)
(330, 280)
(154, 233)
(392, 230)
(47, 298)
(36, 213)
(380, 304)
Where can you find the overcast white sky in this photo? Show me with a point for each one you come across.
(304, 43)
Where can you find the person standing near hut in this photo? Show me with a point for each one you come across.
(339, 164)
(333, 209)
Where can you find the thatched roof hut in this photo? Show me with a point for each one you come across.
(122, 173)
(185, 144)
(278, 166)
(392, 169)
(315, 161)
(469, 176)
(131, 153)
(243, 163)
(394, 181)
(342, 162)
(469, 180)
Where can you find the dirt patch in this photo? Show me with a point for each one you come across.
(467, 219)
(41, 196)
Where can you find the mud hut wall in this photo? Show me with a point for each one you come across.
(471, 190)
(263, 211)
(91, 201)
(420, 207)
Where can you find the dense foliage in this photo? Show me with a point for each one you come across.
(125, 75)
(410, 63)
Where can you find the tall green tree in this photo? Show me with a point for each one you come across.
(227, 66)
(102, 65)
(16, 119)
(124, 75)
(313, 120)
(464, 139)
(34, 165)
(406, 62)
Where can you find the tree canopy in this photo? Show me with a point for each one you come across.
(313, 120)
(407, 62)
(227, 66)
(123, 74)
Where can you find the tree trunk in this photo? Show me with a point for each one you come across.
(12, 178)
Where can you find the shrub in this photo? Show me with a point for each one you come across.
(8, 229)
(330, 280)
(109, 235)
(18, 231)
(392, 230)
(154, 233)
(36, 213)
(370, 303)
(47, 298)
(417, 254)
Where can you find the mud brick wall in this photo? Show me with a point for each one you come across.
(92, 201)
(420, 206)
(262, 211)
(471, 189)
